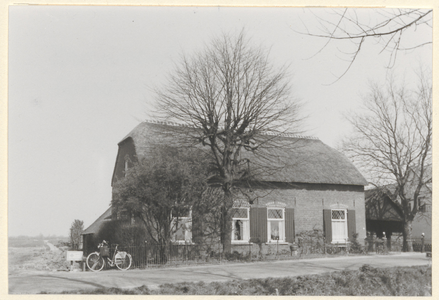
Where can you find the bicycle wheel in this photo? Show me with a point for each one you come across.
(95, 262)
(122, 260)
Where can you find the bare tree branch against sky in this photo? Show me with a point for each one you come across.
(385, 27)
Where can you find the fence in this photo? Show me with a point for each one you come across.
(419, 242)
(152, 255)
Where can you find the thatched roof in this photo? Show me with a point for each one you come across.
(94, 227)
(286, 159)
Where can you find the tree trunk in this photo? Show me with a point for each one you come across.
(226, 220)
(407, 245)
(162, 254)
(197, 226)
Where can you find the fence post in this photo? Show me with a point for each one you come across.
(250, 250)
(146, 254)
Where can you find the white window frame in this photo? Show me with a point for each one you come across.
(187, 233)
(246, 227)
(344, 226)
(281, 225)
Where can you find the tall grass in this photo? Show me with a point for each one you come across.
(367, 281)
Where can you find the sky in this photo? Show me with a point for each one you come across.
(81, 77)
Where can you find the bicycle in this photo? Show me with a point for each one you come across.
(96, 260)
(381, 248)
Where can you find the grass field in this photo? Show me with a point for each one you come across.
(28, 254)
(367, 281)
(25, 243)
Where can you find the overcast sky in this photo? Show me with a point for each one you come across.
(80, 79)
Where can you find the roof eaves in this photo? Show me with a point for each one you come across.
(102, 218)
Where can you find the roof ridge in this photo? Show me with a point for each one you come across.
(293, 135)
(175, 124)
(284, 134)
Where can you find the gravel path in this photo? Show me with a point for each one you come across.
(52, 247)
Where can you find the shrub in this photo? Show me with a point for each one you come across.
(119, 232)
(356, 247)
(235, 255)
(367, 281)
(311, 241)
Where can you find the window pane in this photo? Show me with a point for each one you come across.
(275, 214)
(274, 228)
(240, 213)
(184, 230)
(338, 214)
(238, 230)
(339, 231)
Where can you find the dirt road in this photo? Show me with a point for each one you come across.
(55, 282)
(52, 247)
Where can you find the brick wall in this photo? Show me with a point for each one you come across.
(310, 200)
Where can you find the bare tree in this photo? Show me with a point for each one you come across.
(237, 99)
(386, 27)
(75, 233)
(392, 143)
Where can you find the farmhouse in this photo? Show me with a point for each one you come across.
(301, 184)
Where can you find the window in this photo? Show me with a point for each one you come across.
(126, 166)
(240, 225)
(276, 224)
(339, 225)
(182, 229)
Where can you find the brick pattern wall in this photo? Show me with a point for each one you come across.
(308, 205)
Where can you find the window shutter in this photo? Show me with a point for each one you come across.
(258, 223)
(289, 225)
(327, 225)
(351, 224)
(197, 227)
